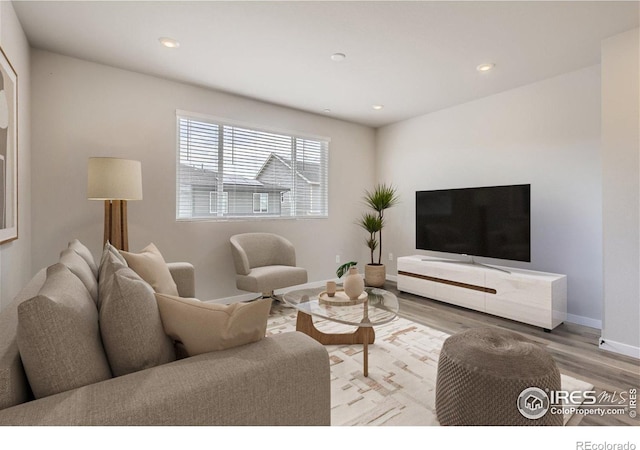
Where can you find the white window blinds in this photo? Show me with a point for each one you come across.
(227, 171)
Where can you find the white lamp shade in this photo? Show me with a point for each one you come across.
(114, 179)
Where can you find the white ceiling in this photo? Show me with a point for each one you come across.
(412, 57)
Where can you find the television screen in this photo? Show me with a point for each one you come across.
(486, 221)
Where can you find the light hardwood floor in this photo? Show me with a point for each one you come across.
(574, 347)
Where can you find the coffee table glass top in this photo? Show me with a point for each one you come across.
(380, 307)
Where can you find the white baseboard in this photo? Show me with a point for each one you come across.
(586, 321)
(393, 278)
(618, 347)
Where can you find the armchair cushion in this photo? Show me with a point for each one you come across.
(268, 278)
(206, 327)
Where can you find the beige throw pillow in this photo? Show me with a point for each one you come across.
(152, 268)
(206, 327)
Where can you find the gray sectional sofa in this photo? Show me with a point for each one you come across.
(279, 380)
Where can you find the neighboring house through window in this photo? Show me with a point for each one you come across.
(227, 171)
(309, 193)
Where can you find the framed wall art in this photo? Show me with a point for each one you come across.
(8, 150)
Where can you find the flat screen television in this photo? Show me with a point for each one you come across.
(493, 221)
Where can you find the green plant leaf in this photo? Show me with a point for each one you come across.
(344, 268)
(372, 243)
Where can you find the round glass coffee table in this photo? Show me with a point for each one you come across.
(379, 307)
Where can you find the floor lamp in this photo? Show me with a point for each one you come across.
(115, 181)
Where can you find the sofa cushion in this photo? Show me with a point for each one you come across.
(206, 327)
(80, 268)
(130, 324)
(150, 265)
(84, 252)
(58, 336)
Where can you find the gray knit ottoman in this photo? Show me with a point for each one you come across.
(482, 373)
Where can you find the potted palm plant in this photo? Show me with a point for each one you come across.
(381, 198)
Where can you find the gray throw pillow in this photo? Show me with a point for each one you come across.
(130, 323)
(84, 252)
(58, 336)
(109, 264)
(112, 255)
(79, 267)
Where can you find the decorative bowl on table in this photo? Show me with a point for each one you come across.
(341, 299)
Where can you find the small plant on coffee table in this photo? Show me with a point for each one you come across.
(344, 268)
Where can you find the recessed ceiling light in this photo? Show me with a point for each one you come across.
(485, 67)
(338, 57)
(378, 107)
(169, 42)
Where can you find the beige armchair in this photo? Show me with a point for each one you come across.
(265, 262)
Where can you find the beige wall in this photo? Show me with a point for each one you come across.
(15, 257)
(82, 109)
(621, 192)
(546, 134)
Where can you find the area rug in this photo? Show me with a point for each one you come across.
(403, 362)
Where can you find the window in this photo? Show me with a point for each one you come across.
(214, 206)
(261, 203)
(258, 173)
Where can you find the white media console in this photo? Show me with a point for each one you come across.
(536, 298)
